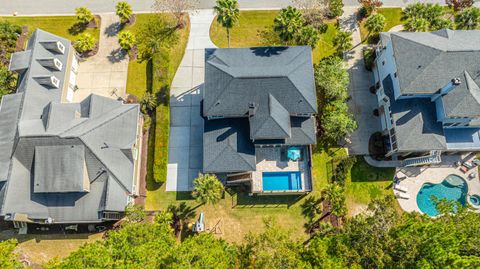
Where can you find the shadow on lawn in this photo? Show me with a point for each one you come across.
(363, 172)
(241, 199)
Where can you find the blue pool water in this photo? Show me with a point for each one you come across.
(475, 200)
(452, 188)
(281, 181)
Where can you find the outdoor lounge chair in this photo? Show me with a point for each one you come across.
(400, 188)
(402, 195)
(468, 165)
(472, 175)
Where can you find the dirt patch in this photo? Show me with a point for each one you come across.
(133, 53)
(21, 39)
(91, 52)
(131, 20)
(93, 23)
(356, 209)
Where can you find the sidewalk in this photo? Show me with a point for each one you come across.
(362, 102)
(185, 147)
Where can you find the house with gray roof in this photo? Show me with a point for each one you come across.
(428, 93)
(259, 106)
(64, 162)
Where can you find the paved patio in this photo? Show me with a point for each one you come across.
(362, 102)
(185, 147)
(417, 176)
(105, 73)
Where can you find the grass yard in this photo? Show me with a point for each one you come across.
(392, 18)
(58, 25)
(238, 214)
(155, 76)
(255, 29)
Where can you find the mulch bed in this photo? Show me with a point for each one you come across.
(93, 23)
(21, 39)
(131, 20)
(142, 191)
(133, 54)
(90, 53)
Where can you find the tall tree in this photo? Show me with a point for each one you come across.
(227, 15)
(84, 15)
(336, 122)
(332, 79)
(370, 6)
(342, 41)
(8, 258)
(375, 23)
(124, 11)
(334, 194)
(288, 24)
(177, 8)
(335, 8)
(459, 5)
(308, 36)
(313, 11)
(430, 17)
(207, 189)
(468, 19)
(8, 81)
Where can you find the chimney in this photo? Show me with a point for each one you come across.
(50, 81)
(51, 63)
(252, 109)
(54, 46)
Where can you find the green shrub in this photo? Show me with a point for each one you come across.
(84, 15)
(126, 40)
(84, 43)
(369, 57)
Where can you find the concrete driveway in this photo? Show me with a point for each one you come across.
(105, 73)
(362, 102)
(185, 147)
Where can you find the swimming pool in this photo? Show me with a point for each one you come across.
(281, 181)
(452, 188)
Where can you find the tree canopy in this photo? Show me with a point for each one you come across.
(288, 23)
(207, 189)
(468, 19)
(375, 23)
(124, 11)
(332, 79)
(228, 14)
(421, 17)
(84, 15)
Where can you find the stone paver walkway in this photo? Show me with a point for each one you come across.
(362, 102)
(105, 73)
(185, 148)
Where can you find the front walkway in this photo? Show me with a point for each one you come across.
(362, 102)
(416, 177)
(185, 147)
(105, 73)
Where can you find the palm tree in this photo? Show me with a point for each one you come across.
(468, 19)
(84, 43)
(124, 11)
(126, 40)
(417, 25)
(84, 15)
(288, 23)
(335, 195)
(308, 36)
(342, 41)
(207, 189)
(227, 15)
(375, 23)
(148, 103)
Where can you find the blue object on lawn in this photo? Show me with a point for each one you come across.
(294, 153)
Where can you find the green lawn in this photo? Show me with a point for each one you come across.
(58, 25)
(255, 29)
(392, 18)
(155, 76)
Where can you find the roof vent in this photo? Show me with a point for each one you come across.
(52, 63)
(456, 81)
(55, 46)
(50, 81)
(252, 109)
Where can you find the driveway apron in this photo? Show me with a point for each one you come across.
(185, 147)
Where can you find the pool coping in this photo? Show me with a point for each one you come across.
(433, 175)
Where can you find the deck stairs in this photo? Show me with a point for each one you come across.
(239, 178)
(433, 158)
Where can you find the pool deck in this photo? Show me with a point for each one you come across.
(269, 160)
(417, 176)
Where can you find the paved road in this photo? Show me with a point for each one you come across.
(44, 7)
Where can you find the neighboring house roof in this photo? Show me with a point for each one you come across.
(416, 126)
(426, 62)
(66, 161)
(237, 78)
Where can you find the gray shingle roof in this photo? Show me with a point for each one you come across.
(416, 126)
(235, 78)
(101, 130)
(60, 169)
(272, 122)
(427, 62)
(227, 146)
